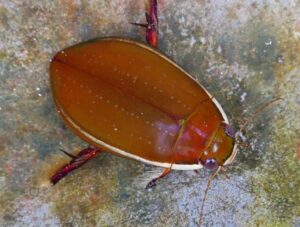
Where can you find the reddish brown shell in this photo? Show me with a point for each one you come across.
(129, 99)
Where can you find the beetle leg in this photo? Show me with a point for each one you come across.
(77, 161)
(151, 25)
(152, 183)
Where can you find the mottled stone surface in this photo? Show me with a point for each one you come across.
(244, 52)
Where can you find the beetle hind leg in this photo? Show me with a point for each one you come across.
(77, 161)
(153, 182)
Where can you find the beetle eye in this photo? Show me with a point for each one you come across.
(211, 164)
(229, 131)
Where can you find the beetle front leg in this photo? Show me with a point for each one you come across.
(77, 161)
(152, 183)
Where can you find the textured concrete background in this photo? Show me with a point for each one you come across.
(244, 52)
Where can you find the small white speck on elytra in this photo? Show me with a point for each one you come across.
(37, 89)
(215, 148)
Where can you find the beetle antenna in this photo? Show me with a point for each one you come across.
(260, 109)
(243, 144)
(224, 172)
(206, 193)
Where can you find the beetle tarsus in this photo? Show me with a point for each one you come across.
(139, 24)
(152, 183)
(67, 153)
(77, 161)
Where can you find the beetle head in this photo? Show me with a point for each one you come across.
(221, 148)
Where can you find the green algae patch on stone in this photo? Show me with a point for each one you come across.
(269, 52)
(277, 188)
(2, 55)
(89, 194)
(261, 49)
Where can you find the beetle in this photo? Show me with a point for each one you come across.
(180, 135)
(128, 99)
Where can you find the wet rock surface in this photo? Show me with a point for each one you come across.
(245, 54)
